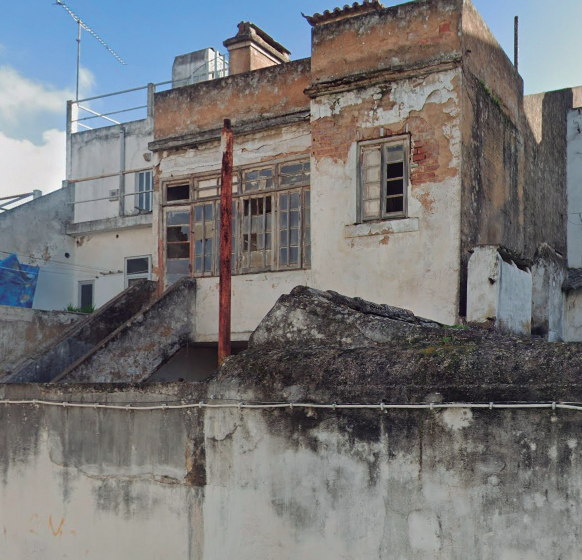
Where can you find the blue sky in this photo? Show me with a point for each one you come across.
(38, 57)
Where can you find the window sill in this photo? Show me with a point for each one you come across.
(386, 227)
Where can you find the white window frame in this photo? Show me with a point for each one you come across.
(383, 144)
(148, 195)
(86, 283)
(138, 276)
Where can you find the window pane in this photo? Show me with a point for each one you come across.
(178, 267)
(394, 170)
(372, 192)
(178, 192)
(208, 211)
(137, 266)
(178, 250)
(372, 174)
(394, 187)
(372, 209)
(372, 157)
(395, 204)
(178, 218)
(394, 153)
(178, 234)
(283, 256)
(293, 255)
(86, 295)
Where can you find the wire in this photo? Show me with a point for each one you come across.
(383, 407)
(79, 267)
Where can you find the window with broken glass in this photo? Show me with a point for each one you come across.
(271, 223)
(383, 179)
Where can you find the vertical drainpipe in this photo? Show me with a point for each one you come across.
(224, 306)
(121, 170)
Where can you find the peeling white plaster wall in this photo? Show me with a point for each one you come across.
(498, 292)
(418, 269)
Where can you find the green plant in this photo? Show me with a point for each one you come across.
(85, 309)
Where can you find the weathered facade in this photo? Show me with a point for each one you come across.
(214, 478)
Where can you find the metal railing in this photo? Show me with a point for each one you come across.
(7, 202)
(212, 69)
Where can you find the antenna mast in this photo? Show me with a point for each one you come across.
(82, 24)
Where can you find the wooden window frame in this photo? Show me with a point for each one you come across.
(383, 144)
(270, 263)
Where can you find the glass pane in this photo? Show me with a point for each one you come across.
(198, 264)
(294, 218)
(198, 213)
(178, 234)
(293, 255)
(284, 201)
(178, 267)
(178, 218)
(372, 209)
(137, 266)
(294, 240)
(394, 187)
(284, 240)
(292, 168)
(372, 191)
(295, 200)
(178, 192)
(394, 170)
(372, 174)
(394, 153)
(372, 157)
(178, 250)
(251, 175)
(283, 255)
(208, 211)
(198, 247)
(395, 204)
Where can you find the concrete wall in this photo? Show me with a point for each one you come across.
(573, 316)
(574, 178)
(413, 262)
(23, 331)
(549, 271)
(35, 231)
(499, 293)
(444, 485)
(98, 152)
(103, 253)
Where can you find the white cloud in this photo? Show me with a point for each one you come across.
(28, 108)
(32, 167)
(21, 97)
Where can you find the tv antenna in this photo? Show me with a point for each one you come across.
(82, 25)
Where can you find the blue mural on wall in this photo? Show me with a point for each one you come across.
(17, 282)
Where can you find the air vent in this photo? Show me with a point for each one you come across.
(114, 195)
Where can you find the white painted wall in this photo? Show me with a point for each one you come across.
(498, 292)
(98, 152)
(106, 252)
(415, 264)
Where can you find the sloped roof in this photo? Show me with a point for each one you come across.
(347, 11)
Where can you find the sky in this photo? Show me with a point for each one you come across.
(38, 52)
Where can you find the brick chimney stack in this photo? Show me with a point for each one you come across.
(251, 48)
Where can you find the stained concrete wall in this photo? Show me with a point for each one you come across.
(98, 152)
(549, 271)
(499, 293)
(574, 178)
(36, 232)
(23, 331)
(201, 485)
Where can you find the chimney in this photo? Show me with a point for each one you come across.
(251, 48)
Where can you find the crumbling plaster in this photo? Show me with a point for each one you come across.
(417, 269)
